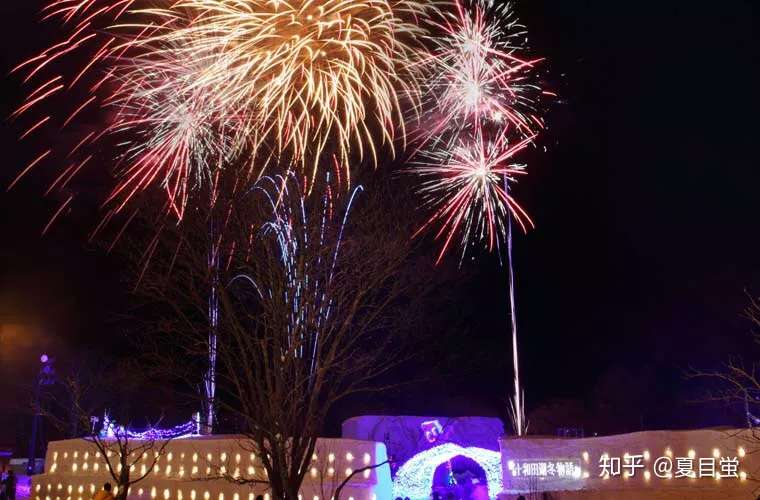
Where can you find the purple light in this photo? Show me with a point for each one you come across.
(155, 434)
(191, 428)
(23, 487)
(44, 359)
(432, 429)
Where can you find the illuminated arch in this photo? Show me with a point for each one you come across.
(415, 478)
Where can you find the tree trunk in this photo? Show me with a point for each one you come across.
(279, 490)
(123, 492)
(123, 483)
(291, 491)
(283, 488)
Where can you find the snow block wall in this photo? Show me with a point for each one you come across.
(74, 470)
(700, 464)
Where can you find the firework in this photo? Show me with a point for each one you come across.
(186, 87)
(467, 190)
(312, 77)
(478, 76)
(308, 237)
(177, 136)
(480, 108)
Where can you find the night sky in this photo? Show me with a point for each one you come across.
(645, 248)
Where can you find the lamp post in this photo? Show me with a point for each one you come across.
(44, 377)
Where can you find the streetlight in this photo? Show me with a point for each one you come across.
(46, 376)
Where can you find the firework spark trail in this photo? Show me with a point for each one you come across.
(465, 190)
(302, 234)
(84, 39)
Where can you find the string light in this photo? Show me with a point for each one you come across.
(188, 429)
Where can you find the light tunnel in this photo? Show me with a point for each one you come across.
(415, 478)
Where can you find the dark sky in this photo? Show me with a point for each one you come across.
(645, 202)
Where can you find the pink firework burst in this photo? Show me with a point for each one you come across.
(178, 136)
(478, 74)
(467, 188)
(482, 106)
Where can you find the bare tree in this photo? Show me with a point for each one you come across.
(76, 405)
(738, 381)
(737, 384)
(307, 308)
(129, 460)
